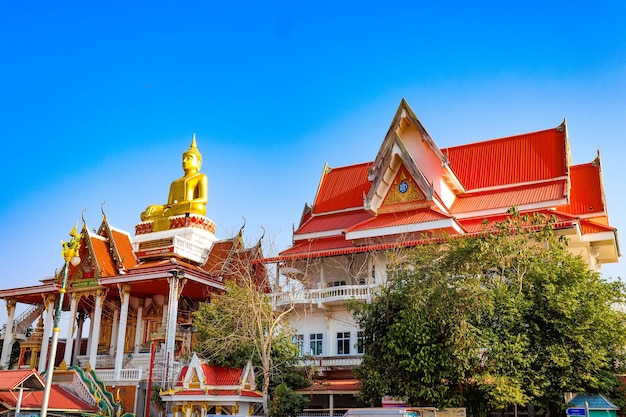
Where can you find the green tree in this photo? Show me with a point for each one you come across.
(509, 317)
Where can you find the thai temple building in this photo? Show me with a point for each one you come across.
(414, 191)
(130, 301)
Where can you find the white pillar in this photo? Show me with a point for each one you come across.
(78, 341)
(47, 333)
(95, 334)
(121, 337)
(114, 327)
(5, 356)
(89, 339)
(139, 326)
(70, 330)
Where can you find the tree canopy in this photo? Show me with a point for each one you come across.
(504, 318)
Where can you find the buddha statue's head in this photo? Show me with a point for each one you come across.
(193, 150)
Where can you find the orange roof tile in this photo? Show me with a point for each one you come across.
(585, 191)
(507, 198)
(342, 188)
(517, 159)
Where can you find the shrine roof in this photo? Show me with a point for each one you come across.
(548, 192)
(12, 379)
(342, 188)
(216, 376)
(528, 157)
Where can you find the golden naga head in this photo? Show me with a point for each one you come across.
(71, 248)
(193, 149)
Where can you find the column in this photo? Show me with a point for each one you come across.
(95, 334)
(78, 341)
(47, 333)
(70, 330)
(176, 285)
(121, 337)
(5, 356)
(139, 326)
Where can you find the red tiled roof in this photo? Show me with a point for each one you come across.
(476, 224)
(60, 400)
(216, 375)
(318, 245)
(215, 393)
(336, 246)
(342, 188)
(515, 196)
(124, 248)
(589, 226)
(402, 218)
(103, 256)
(586, 190)
(517, 159)
(333, 385)
(337, 221)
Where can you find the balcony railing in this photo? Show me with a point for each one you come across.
(332, 362)
(131, 375)
(328, 295)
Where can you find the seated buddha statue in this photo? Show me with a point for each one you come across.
(188, 194)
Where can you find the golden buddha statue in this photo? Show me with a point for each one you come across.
(188, 194)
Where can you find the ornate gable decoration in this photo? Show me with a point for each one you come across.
(404, 190)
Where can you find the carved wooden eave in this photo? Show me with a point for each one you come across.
(90, 262)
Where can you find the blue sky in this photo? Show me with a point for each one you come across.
(99, 100)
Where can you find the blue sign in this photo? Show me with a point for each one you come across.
(576, 411)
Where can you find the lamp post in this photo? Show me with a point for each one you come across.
(70, 255)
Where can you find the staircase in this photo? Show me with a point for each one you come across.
(26, 319)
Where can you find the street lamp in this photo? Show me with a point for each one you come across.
(70, 255)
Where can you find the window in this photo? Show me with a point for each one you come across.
(343, 343)
(299, 341)
(360, 342)
(315, 342)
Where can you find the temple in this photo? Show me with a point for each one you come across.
(411, 193)
(133, 297)
(130, 301)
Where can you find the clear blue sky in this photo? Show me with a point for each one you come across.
(98, 100)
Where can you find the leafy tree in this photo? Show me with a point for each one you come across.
(507, 317)
(286, 402)
(240, 325)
